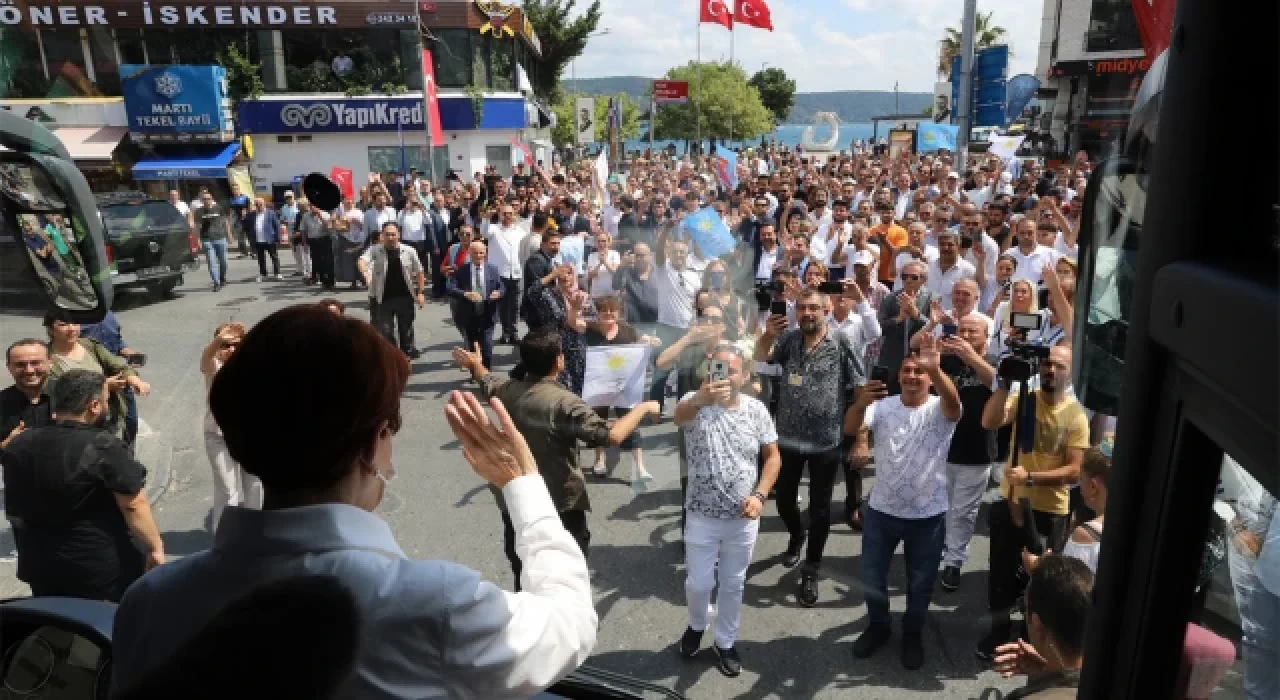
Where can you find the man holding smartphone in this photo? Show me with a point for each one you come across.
(820, 371)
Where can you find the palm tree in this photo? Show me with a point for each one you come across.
(984, 34)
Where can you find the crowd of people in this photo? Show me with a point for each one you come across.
(911, 313)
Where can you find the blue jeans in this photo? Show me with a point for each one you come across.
(1259, 626)
(922, 542)
(216, 252)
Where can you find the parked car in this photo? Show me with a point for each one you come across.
(149, 243)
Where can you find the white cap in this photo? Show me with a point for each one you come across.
(954, 174)
(863, 257)
(1006, 177)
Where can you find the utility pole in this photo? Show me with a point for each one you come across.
(897, 109)
(965, 108)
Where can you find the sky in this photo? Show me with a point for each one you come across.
(823, 45)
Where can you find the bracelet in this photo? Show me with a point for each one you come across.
(761, 496)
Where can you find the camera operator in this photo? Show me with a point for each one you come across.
(1042, 474)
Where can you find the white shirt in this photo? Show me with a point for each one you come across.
(768, 261)
(723, 445)
(413, 227)
(930, 255)
(431, 628)
(860, 327)
(182, 207)
(676, 290)
(903, 205)
(940, 282)
(602, 285)
(823, 245)
(1030, 266)
(1069, 251)
(911, 457)
(260, 227)
(504, 250)
(991, 253)
(374, 219)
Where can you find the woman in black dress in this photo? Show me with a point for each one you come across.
(563, 305)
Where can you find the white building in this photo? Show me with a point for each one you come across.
(297, 134)
(1090, 63)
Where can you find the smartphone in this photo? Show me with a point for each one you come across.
(948, 330)
(137, 359)
(719, 371)
(778, 307)
(831, 288)
(880, 373)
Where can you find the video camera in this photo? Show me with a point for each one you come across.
(766, 291)
(1025, 358)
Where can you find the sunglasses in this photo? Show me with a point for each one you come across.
(229, 346)
(910, 277)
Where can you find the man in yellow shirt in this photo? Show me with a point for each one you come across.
(890, 237)
(1045, 475)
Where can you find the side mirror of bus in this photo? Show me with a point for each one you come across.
(52, 249)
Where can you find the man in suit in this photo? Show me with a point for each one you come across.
(262, 226)
(438, 242)
(901, 316)
(479, 286)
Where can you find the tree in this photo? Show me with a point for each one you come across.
(719, 91)
(985, 34)
(566, 125)
(562, 39)
(777, 92)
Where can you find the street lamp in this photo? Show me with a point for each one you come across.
(573, 63)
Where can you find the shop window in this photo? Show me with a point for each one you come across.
(21, 74)
(367, 60)
(133, 47)
(106, 69)
(451, 53)
(385, 159)
(502, 69)
(500, 158)
(162, 46)
(1112, 27)
(64, 55)
(304, 138)
(284, 139)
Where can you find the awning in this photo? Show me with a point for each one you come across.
(91, 142)
(186, 163)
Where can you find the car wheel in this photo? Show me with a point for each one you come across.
(164, 290)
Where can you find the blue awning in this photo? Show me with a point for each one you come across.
(186, 163)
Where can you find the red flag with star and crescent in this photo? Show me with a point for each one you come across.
(715, 12)
(433, 99)
(754, 13)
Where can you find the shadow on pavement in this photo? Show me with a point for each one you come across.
(184, 542)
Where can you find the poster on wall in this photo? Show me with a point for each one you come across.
(942, 111)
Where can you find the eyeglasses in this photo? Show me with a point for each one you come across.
(910, 277)
(229, 346)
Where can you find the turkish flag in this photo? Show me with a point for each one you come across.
(1155, 24)
(715, 12)
(754, 13)
(433, 99)
(343, 178)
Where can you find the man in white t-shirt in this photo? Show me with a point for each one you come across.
(677, 286)
(949, 268)
(1029, 256)
(176, 200)
(908, 502)
(726, 435)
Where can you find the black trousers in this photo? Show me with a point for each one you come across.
(373, 312)
(509, 308)
(852, 480)
(475, 334)
(439, 282)
(1006, 580)
(396, 313)
(575, 521)
(822, 476)
(321, 260)
(263, 250)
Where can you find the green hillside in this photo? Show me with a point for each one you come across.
(849, 105)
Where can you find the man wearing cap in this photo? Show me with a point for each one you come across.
(948, 269)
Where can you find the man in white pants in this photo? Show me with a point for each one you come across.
(973, 449)
(726, 435)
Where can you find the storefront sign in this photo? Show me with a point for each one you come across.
(372, 114)
(248, 15)
(671, 91)
(177, 104)
(499, 18)
(1110, 66)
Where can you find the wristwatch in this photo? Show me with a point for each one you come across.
(761, 496)
(1031, 480)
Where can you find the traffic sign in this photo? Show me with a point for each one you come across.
(671, 91)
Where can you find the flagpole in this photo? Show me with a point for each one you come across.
(733, 30)
(426, 95)
(697, 82)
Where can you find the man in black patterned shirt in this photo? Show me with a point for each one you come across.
(820, 371)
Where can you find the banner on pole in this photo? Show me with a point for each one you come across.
(671, 91)
(433, 99)
(615, 375)
(1005, 146)
(585, 114)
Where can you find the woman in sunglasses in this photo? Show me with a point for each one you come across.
(231, 484)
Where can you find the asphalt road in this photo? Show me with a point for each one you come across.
(439, 509)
